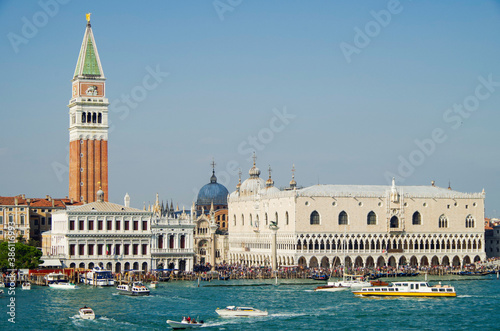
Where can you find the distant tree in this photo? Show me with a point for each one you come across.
(25, 257)
(33, 243)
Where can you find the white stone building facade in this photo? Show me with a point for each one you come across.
(105, 234)
(172, 245)
(363, 225)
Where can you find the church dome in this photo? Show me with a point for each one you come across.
(212, 192)
(252, 185)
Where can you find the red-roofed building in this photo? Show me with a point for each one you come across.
(28, 217)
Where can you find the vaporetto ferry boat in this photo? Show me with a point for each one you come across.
(408, 289)
(99, 277)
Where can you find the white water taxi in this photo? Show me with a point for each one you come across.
(408, 289)
(184, 324)
(233, 311)
(153, 284)
(63, 285)
(136, 288)
(26, 286)
(331, 288)
(87, 313)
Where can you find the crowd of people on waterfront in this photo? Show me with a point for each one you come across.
(243, 271)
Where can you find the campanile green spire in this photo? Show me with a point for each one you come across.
(89, 64)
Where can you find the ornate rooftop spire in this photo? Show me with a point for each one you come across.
(293, 183)
(89, 64)
(269, 182)
(239, 182)
(254, 171)
(213, 179)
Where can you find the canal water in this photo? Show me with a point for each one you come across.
(292, 305)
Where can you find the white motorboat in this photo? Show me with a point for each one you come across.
(63, 285)
(408, 289)
(87, 313)
(352, 282)
(233, 311)
(99, 277)
(153, 284)
(331, 288)
(59, 280)
(135, 289)
(26, 286)
(184, 324)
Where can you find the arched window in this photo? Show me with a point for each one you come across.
(84, 117)
(443, 221)
(89, 117)
(276, 218)
(469, 221)
(314, 218)
(234, 217)
(286, 218)
(251, 222)
(265, 216)
(394, 223)
(242, 219)
(94, 118)
(371, 219)
(417, 218)
(343, 219)
(99, 118)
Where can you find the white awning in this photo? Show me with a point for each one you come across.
(51, 263)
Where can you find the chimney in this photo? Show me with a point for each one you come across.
(23, 196)
(15, 201)
(71, 200)
(47, 197)
(53, 203)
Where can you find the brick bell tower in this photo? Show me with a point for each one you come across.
(88, 125)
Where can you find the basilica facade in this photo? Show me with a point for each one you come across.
(354, 225)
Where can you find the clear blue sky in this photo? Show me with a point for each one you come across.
(354, 121)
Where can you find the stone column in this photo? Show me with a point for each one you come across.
(213, 228)
(274, 260)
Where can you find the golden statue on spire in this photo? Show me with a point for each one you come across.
(88, 16)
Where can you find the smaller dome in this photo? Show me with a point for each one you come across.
(254, 171)
(269, 191)
(100, 195)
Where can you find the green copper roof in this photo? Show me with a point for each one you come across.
(88, 60)
(90, 66)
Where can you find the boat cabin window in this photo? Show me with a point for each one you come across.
(441, 290)
(405, 284)
(391, 290)
(384, 289)
(434, 290)
(449, 290)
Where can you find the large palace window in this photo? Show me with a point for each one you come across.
(469, 221)
(314, 219)
(343, 219)
(371, 219)
(394, 222)
(417, 218)
(443, 221)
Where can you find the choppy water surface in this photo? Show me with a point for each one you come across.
(290, 307)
